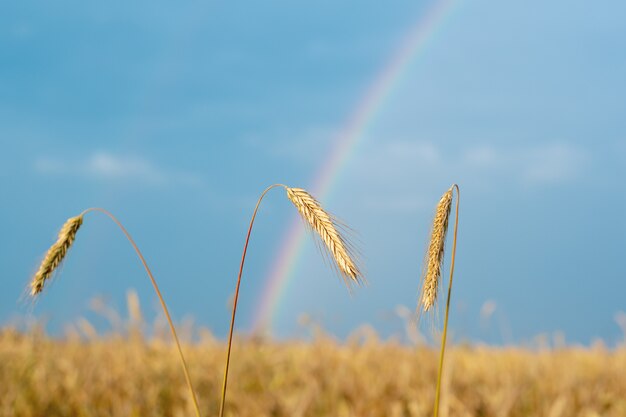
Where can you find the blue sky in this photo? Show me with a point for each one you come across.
(176, 116)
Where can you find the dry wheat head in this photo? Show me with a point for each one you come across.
(55, 254)
(327, 229)
(432, 275)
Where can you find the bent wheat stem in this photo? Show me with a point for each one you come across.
(319, 221)
(58, 251)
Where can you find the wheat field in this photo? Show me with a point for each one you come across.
(126, 374)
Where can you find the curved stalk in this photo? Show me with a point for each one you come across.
(161, 300)
(445, 325)
(234, 312)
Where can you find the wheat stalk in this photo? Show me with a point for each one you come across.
(58, 251)
(322, 223)
(432, 275)
(55, 254)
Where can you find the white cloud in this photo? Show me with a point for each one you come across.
(104, 166)
(394, 176)
(552, 164)
(534, 165)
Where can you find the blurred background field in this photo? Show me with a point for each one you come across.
(133, 370)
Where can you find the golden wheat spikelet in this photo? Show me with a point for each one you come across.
(327, 229)
(55, 254)
(432, 275)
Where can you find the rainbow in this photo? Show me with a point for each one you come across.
(291, 247)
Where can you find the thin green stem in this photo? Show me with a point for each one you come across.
(445, 323)
(161, 300)
(236, 299)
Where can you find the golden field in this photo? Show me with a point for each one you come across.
(125, 374)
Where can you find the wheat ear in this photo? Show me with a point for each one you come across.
(55, 254)
(58, 251)
(323, 224)
(432, 274)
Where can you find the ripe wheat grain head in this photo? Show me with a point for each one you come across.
(55, 254)
(328, 230)
(434, 257)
